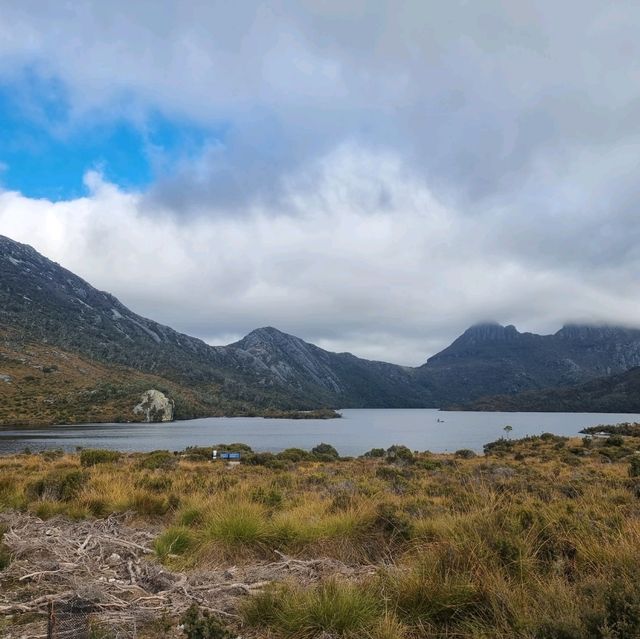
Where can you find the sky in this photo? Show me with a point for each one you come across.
(373, 177)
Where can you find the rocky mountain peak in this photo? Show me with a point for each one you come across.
(270, 338)
(489, 332)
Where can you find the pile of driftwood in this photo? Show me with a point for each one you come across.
(109, 567)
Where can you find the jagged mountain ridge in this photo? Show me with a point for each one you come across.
(490, 359)
(343, 376)
(46, 303)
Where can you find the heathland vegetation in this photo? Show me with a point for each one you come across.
(538, 538)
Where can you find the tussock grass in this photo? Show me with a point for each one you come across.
(536, 539)
(335, 607)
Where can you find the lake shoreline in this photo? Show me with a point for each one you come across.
(357, 431)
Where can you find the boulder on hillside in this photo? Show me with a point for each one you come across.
(155, 406)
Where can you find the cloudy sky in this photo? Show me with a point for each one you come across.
(373, 176)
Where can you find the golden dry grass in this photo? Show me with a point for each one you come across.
(537, 540)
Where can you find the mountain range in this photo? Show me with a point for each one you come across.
(53, 325)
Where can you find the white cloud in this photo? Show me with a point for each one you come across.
(394, 277)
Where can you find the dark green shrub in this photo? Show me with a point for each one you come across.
(399, 455)
(148, 504)
(93, 456)
(615, 440)
(621, 617)
(203, 625)
(325, 452)
(499, 447)
(559, 630)
(294, 455)
(236, 447)
(465, 453)
(342, 500)
(634, 466)
(390, 473)
(428, 464)
(259, 459)
(158, 459)
(199, 453)
(375, 452)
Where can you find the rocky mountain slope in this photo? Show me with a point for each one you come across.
(43, 304)
(340, 378)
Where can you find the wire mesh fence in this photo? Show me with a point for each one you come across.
(69, 620)
(78, 619)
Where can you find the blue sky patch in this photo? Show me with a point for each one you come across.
(44, 153)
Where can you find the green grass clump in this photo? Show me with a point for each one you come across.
(335, 607)
(237, 526)
(176, 540)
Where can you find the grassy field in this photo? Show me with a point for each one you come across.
(536, 539)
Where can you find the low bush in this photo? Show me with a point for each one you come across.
(93, 456)
(397, 454)
(614, 440)
(325, 452)
(198, 453)
(634, 466)
(158, 460)
(52, 454)
(394, 524)
(199, 624)
(59, 485)
(435, 594)
(294, 455)
(235, 447)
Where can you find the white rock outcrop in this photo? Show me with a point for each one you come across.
(155, 406)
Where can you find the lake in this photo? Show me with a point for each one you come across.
(359, 430)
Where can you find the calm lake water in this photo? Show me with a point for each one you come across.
(359, 430)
